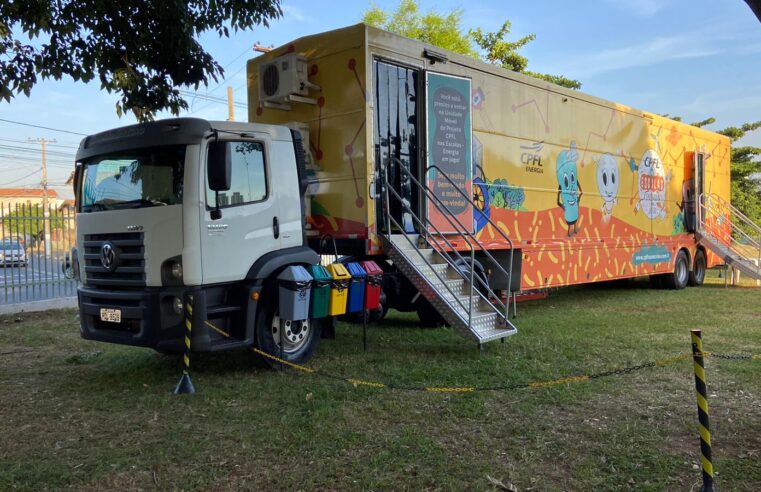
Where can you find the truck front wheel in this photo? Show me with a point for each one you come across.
(299, 338)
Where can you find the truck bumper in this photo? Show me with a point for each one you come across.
(148, 318)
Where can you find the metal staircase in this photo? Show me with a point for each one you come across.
(442, 274)
(726, 231)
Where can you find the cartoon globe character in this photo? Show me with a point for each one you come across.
(482, 211)
(569, 188)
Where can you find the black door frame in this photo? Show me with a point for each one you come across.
(420, 94)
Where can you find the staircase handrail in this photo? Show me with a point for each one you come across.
(488, 219)
(420, 223)
(449, 217)
(463, 232)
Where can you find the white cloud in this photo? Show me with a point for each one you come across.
(654, 51)
(291, 12)
(642, 8)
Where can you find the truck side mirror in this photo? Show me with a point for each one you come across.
(219, 167)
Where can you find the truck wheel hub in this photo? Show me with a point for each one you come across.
(294, 334)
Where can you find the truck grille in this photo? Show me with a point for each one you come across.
(130, 260)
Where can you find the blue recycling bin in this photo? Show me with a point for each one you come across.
(356, 302)
(295, 285)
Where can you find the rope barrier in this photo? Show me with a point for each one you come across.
(581, 378)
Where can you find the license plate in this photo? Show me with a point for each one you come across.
(111, 315)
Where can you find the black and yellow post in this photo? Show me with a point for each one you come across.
(185, 386)
(704, 426)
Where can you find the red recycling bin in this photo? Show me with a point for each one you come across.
(372, 284)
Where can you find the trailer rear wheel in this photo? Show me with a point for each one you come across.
(698, 273)
(678, 279)
(299, 337)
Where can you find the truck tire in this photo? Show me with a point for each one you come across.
(300, 338)
(678, 279)
(698, 273)
(427, 314)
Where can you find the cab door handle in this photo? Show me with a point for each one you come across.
(275, 227)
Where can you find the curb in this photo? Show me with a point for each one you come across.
(35, 306)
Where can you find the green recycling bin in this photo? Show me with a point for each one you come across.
(318, 302)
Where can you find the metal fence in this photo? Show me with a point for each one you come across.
(34, 252)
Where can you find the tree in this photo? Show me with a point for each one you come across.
(745, 172)
(446, 31)
(142, 50)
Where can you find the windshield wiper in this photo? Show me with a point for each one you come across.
(94, 206)
(142, 202)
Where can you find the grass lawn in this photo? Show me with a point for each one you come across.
(91, 416)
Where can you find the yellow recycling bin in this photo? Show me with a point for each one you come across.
(339, 289)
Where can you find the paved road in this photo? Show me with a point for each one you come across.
(41, 279)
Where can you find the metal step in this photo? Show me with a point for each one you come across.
(470, 316)
(748, 266)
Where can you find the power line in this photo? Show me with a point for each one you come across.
(23, 177)
(67, 146)
(26, 149)
(42, 127)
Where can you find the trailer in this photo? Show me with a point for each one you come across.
(465, 183)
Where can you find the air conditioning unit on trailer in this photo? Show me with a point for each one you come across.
(284, 80)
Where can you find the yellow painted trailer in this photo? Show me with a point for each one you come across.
(587, 189)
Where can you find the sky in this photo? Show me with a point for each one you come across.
(692, 58)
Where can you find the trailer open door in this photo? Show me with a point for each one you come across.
(395, 136)
(449, 151)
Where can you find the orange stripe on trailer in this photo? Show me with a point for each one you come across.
(536, 231)
(541, 253)
(552, 257)
(612, 228)
(576, 272)
(597, 256)
(517, 231)
(552, 222)
(528, 281)
(615, 260)
(539, 275)
(562, 251)
(586, 265)
(597, 234)
(536, 216)
(586, 233)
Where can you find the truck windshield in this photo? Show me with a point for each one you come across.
(133, 179)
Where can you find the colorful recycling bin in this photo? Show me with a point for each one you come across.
(321, 282)
(295, 285)
(339, 289)
(356, 301)
(372, 284)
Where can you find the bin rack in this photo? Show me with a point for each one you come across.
(339, 289)
(320, 298)
(356, 301)
(372, 284)
(295, 285)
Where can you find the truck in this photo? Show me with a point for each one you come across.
(467, 183)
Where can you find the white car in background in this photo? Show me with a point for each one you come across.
(12, 253)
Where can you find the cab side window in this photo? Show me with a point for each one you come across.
(248, 180)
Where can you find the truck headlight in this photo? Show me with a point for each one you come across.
(172, 271)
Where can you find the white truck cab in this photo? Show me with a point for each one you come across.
(189, 207)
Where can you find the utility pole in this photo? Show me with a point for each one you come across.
(45, 203)
(230, 109)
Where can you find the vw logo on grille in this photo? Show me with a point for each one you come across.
(108, 256)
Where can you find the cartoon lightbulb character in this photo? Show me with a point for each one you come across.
(607, 183)
(569, 188)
